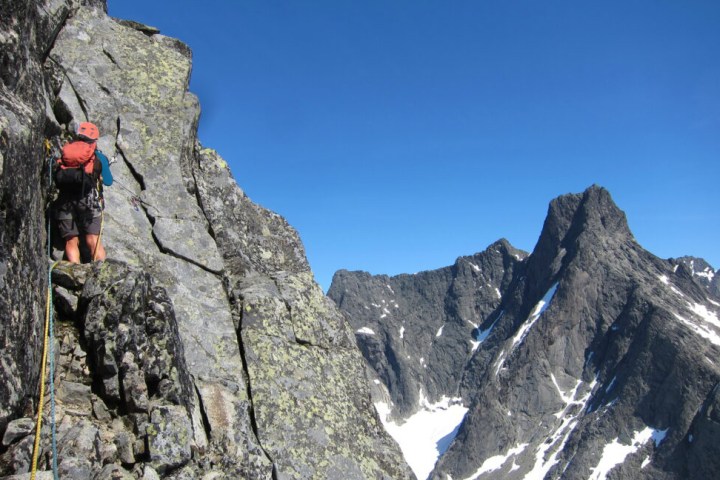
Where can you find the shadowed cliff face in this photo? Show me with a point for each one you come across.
(204, 345)
(26, 34)
(598, 357)
(417, 332)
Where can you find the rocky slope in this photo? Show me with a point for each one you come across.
(598, 361)
(418, 332)
(203, 348)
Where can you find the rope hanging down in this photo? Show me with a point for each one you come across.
(49, 339)
(48, 344)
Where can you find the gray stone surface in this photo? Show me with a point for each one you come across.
(17, 429)
(417, 332)
(311, 403)
(25, 34)
(169, 437)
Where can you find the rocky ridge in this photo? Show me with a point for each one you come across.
(417, 332)
(203, 348)
(598, 360)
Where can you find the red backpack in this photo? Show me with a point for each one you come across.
(77, 167)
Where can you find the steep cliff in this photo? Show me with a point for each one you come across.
(598, 361)
(203, 347)
(418, 332)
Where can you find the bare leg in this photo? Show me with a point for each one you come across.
(72, 249)
(95, 246)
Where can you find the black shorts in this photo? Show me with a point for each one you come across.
(78, 216)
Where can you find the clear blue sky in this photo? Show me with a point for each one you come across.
(399, 135)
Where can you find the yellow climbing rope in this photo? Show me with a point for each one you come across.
(99, 239)
(101, 201)
(43, 378)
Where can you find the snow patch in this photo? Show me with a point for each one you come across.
(500, 362)
(645, 463)
(541, 306)
(482, 335)
(707, 274)
(612, 385)
(560, 436)
(708, 325)
(568, 398)
(402, 332)
(615, 453)
(390, 288)
(707, 315)
(366, 331)
(439, 332)
(497, 462)
(475, 267)
(658, 436)
(427, 434)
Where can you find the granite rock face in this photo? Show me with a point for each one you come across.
(599, 360)
(26, 34)
(298, 349)
(702, 272)
(203, 348)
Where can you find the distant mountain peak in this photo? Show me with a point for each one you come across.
(588, 347)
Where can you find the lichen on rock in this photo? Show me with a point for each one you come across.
(204, 322)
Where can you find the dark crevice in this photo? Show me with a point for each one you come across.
(248, 382)
(172, 253)
(237, 312)
(153, 218)
(81, 102)
(203, 413)
(110, 57)
(198, 197)
(53, 36)
(307, 343)
(136, 175)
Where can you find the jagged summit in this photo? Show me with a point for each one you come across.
(418, 331)
(578, 223)
(701, 271)
(595, 356)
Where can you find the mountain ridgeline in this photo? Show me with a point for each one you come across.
(588, 358)
(203, 347)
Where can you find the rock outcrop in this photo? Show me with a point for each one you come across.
(599, 361)
(203, 348)
(417, 332)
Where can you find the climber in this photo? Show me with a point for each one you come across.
(80, 173)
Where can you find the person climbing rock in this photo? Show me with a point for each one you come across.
(80, 174)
